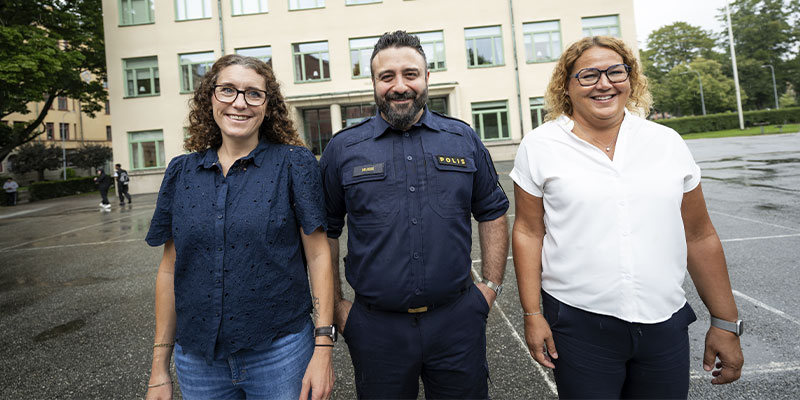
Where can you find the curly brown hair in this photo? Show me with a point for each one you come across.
(204, 133)
(556, 101)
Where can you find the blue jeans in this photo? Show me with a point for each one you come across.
(274, 373)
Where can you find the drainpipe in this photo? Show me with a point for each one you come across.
(516, 65)
(221, 33)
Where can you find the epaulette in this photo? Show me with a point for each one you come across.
(449, 117)
(362, 122)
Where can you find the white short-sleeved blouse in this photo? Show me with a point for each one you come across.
(614, 242)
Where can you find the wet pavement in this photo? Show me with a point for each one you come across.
(76, 288)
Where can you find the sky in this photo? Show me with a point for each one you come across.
(653, 14)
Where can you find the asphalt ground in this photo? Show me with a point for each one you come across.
(77, 289)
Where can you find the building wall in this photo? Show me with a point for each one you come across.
(336, 23)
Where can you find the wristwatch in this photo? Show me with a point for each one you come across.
(329, 331)
(497, 288)
(736, 327)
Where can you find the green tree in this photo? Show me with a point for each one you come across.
(45, 45)
(91, 156)
(36, 157)
(674, 44)
(678, 93)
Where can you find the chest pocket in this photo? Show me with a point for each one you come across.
(369, 194)
(451, 179)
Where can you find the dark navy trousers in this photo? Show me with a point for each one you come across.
(445, 347)
(603, 357)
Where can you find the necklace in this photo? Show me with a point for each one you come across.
(607, 147)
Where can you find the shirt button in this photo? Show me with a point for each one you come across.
(409, 158)
(218, 314)
(412, 189)
(416, 255)
(219, 216)
(405, 134)
(418, 292)
(219, 248)
(414, 221)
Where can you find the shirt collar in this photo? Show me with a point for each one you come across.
(381, 126)
(256, 156)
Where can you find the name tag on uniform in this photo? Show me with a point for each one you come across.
(370, 169)
(452, 161)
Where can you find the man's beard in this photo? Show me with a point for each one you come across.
(403, 117)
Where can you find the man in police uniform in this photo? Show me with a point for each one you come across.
(408, 181)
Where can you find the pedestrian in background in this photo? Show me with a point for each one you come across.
(122, 184)
(409, 182)
(11, 191)
(242, 222)
(103, 184)
(609, 215)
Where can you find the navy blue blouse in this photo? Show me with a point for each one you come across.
(240, 275)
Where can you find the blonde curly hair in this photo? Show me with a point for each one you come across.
(204, 133)
(556, 100)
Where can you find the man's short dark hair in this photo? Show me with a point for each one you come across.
(397, 39)
(118, 165)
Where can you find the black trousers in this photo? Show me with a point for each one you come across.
(601, 357)
(446, 347)
(123, 193)
(104, 195)
(11, 198)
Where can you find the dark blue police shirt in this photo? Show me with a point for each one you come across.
(240, 278)
(408, 197)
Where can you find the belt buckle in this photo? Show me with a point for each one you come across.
(418, 310)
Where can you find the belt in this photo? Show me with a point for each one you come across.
(417, 310)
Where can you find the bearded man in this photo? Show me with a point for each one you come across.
(408, 180)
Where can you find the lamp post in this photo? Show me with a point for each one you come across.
(735, 71)
(702, 99)
(63, 146)
(774, 87)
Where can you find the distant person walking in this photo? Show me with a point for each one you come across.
(11, 191)
(103, 183)
(122, 184)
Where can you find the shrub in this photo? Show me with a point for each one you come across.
(53, 189)
(729, 120)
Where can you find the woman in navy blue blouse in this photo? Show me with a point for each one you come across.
(239, 218)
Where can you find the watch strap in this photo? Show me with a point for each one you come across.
(494, 286)
(329, 331)
(736, 327)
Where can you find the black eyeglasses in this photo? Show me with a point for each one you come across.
(228, 94)
(616, 73)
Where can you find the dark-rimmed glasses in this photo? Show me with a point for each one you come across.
(228, 94)
(616, 73)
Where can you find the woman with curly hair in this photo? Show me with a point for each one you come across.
(609, 216)
(239, 218)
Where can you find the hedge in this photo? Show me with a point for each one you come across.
(730, 120)
(53, 189)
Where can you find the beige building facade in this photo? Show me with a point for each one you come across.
(490, 61)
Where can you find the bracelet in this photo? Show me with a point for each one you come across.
(163, 345)
(530, 314)
(323, 345)
(169, 382)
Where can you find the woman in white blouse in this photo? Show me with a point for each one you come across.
(609, 216)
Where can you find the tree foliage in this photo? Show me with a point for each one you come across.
(91, 156)
(36, 157)
(45, 45)
(678, 93)
(678, 43)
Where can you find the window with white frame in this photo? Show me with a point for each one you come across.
(135, 12)
(311, 61)
(490, 120)
(63, 131)
(263, 53)
(433, 46)
(607, 25)
(484, 46)
(50, 130)
(141, 76)
(542, 41)
(537, 111)
(192, 9)
(245, 7)
(305, 4)
(193, 67)
(146, 149)
(360, 53)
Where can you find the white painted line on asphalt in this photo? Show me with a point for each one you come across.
(766, 307)
(539, 368)
(73, 230)
(759, 369)
(61, 246)
(760, 238)
(16, 214)
(753, 220)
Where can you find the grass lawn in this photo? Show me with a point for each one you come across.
(752, 131)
